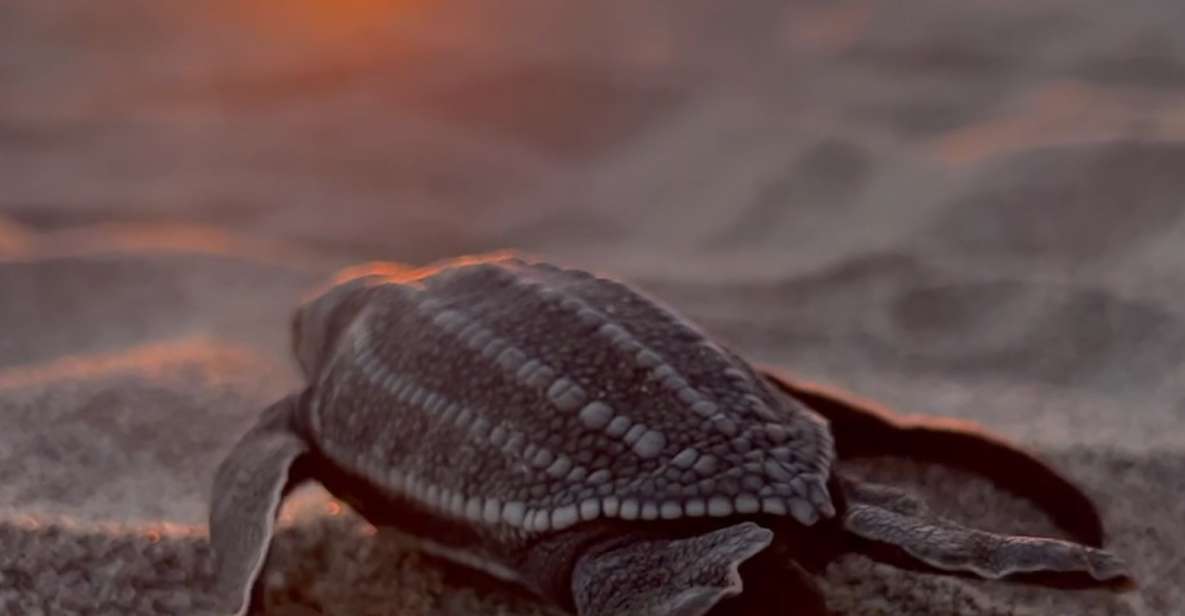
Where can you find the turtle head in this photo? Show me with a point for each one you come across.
(317, 324)
(321, 320)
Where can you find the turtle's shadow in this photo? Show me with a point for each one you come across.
(338, 564)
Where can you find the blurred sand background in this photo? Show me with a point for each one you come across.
(970, 209)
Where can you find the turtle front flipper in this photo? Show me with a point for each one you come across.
(666, 577)
(863, 429)
(248, 488)
(891, 517)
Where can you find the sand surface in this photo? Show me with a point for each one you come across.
(970, 209)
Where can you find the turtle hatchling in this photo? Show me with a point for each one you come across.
(567, 433)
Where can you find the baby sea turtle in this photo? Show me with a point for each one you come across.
(562, 431)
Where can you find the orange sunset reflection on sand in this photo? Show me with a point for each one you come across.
(1061, 113)
(320, 22)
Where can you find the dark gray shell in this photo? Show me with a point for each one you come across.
(511, 393)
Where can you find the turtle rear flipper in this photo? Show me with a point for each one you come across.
(864, 429)
(248, 488)
(666, 577)
(891, 517)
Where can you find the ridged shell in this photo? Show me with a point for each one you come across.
(512, 394)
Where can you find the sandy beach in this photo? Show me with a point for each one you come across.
(972, 210)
